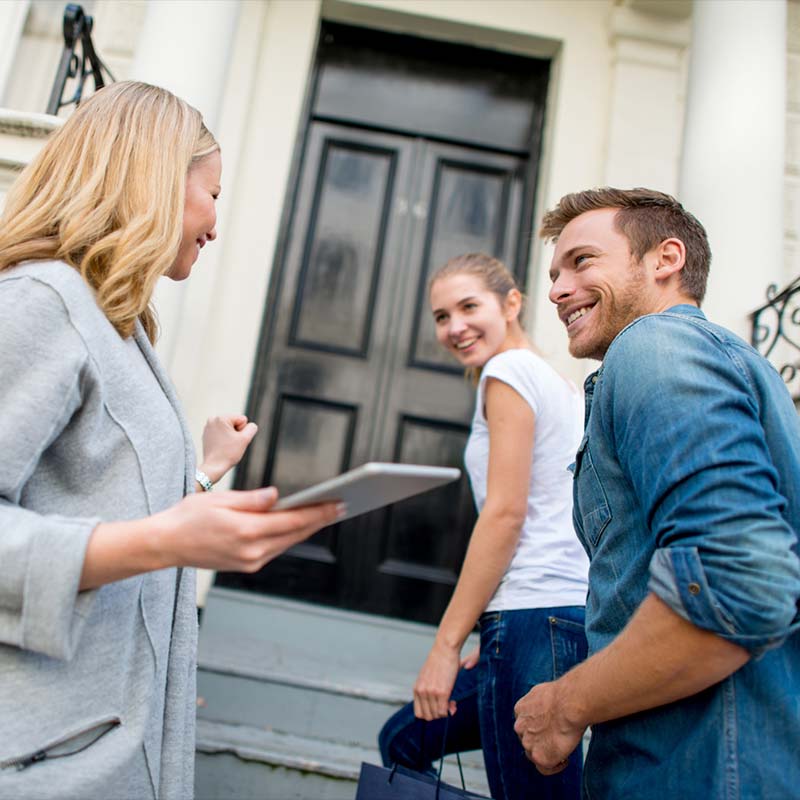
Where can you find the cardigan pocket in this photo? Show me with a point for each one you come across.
(68, 745)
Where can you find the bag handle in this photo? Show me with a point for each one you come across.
(441, 759)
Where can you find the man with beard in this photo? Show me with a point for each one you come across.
(687, 500)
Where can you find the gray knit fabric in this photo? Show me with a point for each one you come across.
(90, 430)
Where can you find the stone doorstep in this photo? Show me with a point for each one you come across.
(331, 650)
(304, 754)
(387, 697)
(308, 675)
(296, 648)
(284, 619)
(259, 627)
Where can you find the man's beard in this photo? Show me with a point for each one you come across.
(616, 313)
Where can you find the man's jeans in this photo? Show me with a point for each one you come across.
(518, 650)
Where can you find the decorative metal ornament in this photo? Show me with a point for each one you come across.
(77, 31)
(776, 333)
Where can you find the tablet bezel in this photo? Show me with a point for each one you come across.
(415, 478)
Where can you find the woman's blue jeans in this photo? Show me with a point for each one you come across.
(518, 650)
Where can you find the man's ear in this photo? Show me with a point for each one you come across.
(670, 258)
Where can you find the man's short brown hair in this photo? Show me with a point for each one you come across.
(646, 218)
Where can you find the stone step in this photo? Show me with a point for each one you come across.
(301, 708)
(248, 762)
(304, 674)
(305, 670)
(279, 662)
(296, 702)
(274, 632)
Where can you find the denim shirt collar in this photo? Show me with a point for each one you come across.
(684, 309)
(687, 309)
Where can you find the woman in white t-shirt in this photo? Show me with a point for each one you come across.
(524, 577)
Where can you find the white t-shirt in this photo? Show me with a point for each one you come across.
(549, 567)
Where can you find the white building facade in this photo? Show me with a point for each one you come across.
(627, 106)
(668, 94)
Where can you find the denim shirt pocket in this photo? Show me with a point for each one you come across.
(590, 497)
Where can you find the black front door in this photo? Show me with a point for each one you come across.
(349, 370)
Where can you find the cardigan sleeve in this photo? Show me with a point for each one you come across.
(43, 363)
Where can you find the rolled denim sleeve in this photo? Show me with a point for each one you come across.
(686, 428)
(41, 555)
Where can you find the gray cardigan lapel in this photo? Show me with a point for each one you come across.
(166, 384)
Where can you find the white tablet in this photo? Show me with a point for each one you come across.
(371, 486)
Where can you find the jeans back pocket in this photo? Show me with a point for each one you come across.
(568, 642)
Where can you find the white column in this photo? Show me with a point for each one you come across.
(649, 53)
(12, 20)
(734, 148)
(185, 46)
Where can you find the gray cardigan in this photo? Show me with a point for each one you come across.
(97, 689)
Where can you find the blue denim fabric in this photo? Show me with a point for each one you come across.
(687, 485)
(518, 650)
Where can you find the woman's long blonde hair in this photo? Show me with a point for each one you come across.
(106, 195)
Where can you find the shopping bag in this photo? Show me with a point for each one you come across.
(399, 783)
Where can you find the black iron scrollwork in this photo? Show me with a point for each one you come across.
(776, 332)
(77, 30)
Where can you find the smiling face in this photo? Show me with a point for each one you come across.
(471, 322)
(598, 286)
(199, 213)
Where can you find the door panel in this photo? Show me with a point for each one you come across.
(346, 219)
(318, 391)
(473, 203)
(474, 207)
(341, 263)
(312, 440)
(413, 534)
(431, 88)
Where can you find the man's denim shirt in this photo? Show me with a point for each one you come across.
(687, 485)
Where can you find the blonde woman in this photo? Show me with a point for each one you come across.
(524, 577)
(99, 518)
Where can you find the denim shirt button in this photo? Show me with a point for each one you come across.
(594, 379)
(551, 620)
(694, 588)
